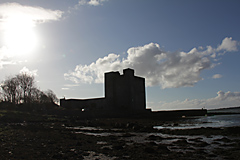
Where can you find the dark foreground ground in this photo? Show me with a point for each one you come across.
(30, 135)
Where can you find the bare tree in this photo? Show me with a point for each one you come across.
(21, 89)
(1, 96)
(51, 96)
(26, 83)
(10, 89)
(36, 95)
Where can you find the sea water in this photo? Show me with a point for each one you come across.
(216, 121)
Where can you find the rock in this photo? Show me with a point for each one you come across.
(118, 147)
(163, 148)
(152, 143)
(181, 142)
(203, 144)
(129, 125)
(149, 150)
(57, 156)
(154, 138)
(79, 144)
(226, 140)
(128, 135)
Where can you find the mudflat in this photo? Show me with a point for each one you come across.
(36, 135)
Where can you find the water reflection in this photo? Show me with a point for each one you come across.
(217, 121)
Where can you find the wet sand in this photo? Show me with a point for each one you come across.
(35, 136)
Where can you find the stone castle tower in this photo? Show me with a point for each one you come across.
(125, 92)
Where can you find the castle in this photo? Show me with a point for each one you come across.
(124, 94)
(124, 97)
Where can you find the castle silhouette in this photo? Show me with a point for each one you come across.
(124, 96)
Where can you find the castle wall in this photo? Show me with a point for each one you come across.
(111, 78)
(139, 94)
(86, 104)
(123, 93)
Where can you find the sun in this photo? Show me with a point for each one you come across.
(20, 37)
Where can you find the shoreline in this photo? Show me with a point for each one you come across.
(46, 136)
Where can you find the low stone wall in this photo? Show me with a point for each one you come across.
(179, 113)
(86, 104)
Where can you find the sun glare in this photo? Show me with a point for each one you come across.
(20, 37)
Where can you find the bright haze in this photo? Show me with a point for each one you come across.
(188, 51)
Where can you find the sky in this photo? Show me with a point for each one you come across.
(187, 51)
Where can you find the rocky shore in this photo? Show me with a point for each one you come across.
(28, 135)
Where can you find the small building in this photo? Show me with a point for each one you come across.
(124, 94)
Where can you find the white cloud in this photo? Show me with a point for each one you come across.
(228, 95)
(167, 69)
(33, 14)
(3, 57)
(93, 72)
(70, 85)
(27, 71)
(222, 100)
(228, 45)
(216, 76)
(91, 2)
(65, 88)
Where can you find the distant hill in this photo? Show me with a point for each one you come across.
(229, 110)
